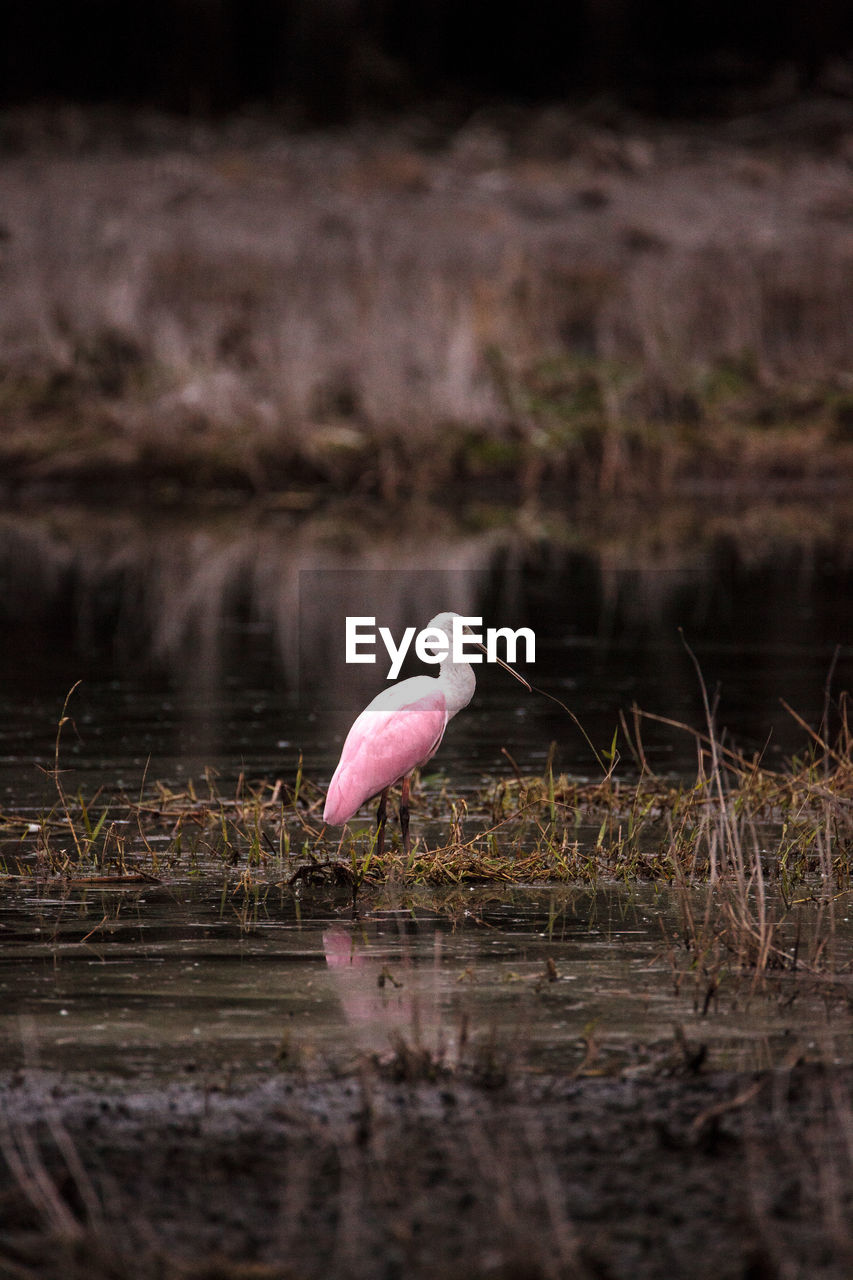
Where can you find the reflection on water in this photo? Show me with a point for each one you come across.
(185, 979)
(214, 644)
(218, 642)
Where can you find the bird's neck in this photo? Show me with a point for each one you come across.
(457, 683)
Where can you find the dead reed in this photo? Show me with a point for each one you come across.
(760, 858)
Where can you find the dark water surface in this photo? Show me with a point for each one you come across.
(217, 644)
(189, 979)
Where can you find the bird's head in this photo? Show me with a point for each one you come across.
(444, 622)
(441, 622)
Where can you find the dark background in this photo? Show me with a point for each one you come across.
(329, 61)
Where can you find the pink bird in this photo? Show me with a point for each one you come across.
(399, 731)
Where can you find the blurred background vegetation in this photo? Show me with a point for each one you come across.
(324, 247)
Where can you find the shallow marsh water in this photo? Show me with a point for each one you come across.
(223, 1071)
(207, 646)
(167, 980)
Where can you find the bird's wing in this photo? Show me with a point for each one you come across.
(381, 747)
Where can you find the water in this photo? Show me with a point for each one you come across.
(215, 645)
(187, 979)
(218, 643)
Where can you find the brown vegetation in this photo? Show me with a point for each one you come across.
(540, 298)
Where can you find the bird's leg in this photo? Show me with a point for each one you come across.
(404, 816)
(381, 814)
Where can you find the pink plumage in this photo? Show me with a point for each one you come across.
(383, 746)
(402, 728)
(396, 733)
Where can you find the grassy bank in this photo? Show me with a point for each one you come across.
(738, 817)
(544, 299)
(558, 440)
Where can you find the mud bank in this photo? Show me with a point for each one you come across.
(364, 1176)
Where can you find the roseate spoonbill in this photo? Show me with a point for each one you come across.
(397, 732)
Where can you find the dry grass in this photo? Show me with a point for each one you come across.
(738, 819)
(269, 311)
(760, 858)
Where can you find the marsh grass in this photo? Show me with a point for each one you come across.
(760, 859)
(632, 440)
(653, 308)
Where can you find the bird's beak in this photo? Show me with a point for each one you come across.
(506, 667)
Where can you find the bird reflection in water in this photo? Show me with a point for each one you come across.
(389, 999)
